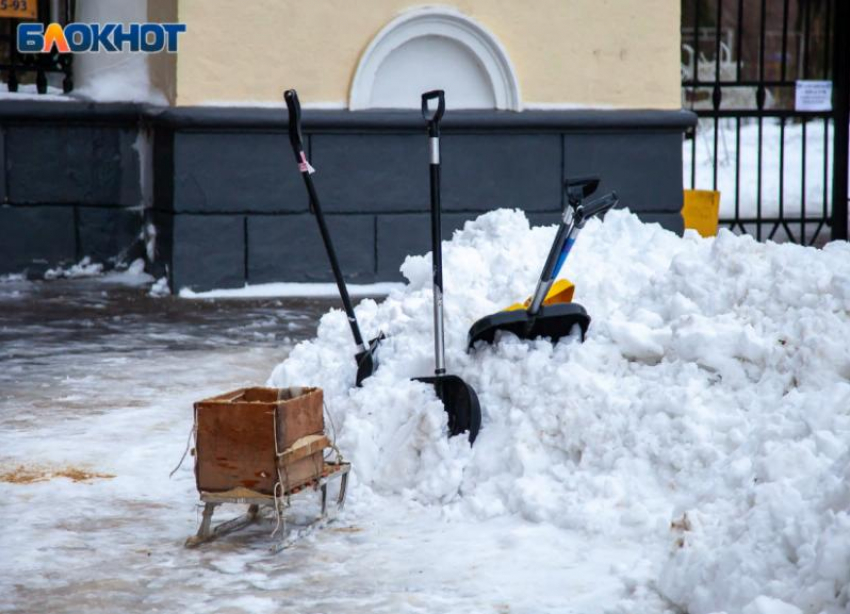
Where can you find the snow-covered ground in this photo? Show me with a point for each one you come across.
(794, 205)
(691, 456)
(294, 290)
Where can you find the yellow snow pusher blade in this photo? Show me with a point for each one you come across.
(562, 292)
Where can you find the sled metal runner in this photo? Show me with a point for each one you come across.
(367, 361)
(539, 319)
(255, 501)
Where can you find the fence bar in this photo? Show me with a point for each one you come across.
(737, 167)
(781, 177)
(827, 26)
(740, 50)
(804, 143)
(841, 106)
(784, 41)
(814, 45)
(18, 66)
(693, 93)
(760, 97)
(716, 94)
(807, 35)
(783, 71)
(696, 43)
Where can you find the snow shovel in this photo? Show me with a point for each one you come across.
(551, 319)
(367, 362)
(458, 397)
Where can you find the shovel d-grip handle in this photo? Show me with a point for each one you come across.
(596, 207)
(565, 238)
(433, 117)
(294, 107)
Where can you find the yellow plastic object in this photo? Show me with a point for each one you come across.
(701, 210)
(561, 292)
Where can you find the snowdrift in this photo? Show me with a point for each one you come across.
(706, 418)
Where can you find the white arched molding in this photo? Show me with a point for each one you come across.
(437, 22)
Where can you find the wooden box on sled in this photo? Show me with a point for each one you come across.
(251, 437)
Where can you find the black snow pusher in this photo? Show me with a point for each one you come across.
(550, 314)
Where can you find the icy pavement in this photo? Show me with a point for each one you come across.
(691, 456)
(100, 379)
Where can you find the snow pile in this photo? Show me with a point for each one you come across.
(84, 268)
(132, 274)
(284, 289)
(160, 288)
(705, 419)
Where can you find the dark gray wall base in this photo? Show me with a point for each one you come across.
(76, 164)
(109, 235)
(372, 177)
(233, 171)
(401, 235)
(70, 180)
(645, 168)
(36, 238)
(286, 247)
(206, 251)
(230, 208)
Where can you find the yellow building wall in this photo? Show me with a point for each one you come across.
(584, 53)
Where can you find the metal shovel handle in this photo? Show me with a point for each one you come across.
(596, 207)
(600, 205)
(433, 116)
(565, 238)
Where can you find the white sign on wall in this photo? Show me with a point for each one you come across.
(813, 96)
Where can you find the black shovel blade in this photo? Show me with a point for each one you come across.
(460, 402)
(552, 321)
(367, 361)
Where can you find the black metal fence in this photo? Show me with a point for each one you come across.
(26, 68)
(768, 80)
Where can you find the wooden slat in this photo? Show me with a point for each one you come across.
(304, 447)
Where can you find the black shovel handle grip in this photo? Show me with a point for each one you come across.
(600, 205)
(294, 108)
(433, 117)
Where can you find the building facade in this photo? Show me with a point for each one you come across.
(196, 174)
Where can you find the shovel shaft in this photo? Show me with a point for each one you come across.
(564, 239)
(433, 120)
(437, 256)
(329, 247)
(568, 230)
(306, 170)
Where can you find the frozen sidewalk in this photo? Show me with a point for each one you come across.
(99, 378)
(691, 455)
